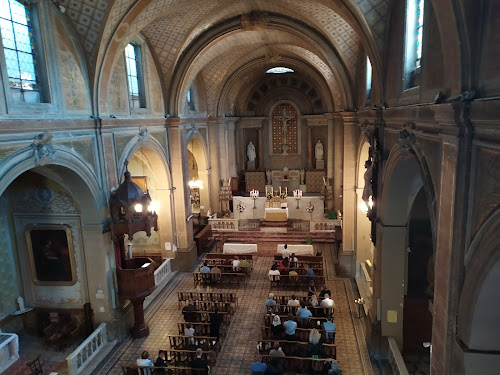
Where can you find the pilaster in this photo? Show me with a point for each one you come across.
(214, 177)
(330, 157)
(349, 181)
(338, 160)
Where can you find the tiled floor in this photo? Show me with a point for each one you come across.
(239, 345)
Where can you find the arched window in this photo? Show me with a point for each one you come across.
(190, 99)
(368, 79)
(19, 51)
(414, 34)
(135, 76)
(279, 70)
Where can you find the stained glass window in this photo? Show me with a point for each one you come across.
(420, 30)
(19, 50)
(368, 78)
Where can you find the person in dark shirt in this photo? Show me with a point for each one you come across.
(324, 291)
(188, 312)
(274, 368)
(215, 323)
(200, 363)
(161, 362)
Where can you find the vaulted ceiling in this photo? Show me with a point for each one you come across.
(215, 39)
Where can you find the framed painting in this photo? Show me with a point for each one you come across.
(50, 249)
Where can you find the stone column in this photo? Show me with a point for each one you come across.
(260, 162)
(231, 146)
(330, 157)
(310, 157)
(349, 186)
(214, 166)
(338, 160)
(222, 144)
(186, 251)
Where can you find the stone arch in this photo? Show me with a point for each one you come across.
(147, 152)
(404, 178)
(478, 328)
(197, 146)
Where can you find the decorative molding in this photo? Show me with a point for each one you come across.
(407, 139)
(43, 150)
(143, 133)
(254, 20)
(272, 58)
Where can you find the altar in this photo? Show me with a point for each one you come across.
(290, 203)
(276, 214)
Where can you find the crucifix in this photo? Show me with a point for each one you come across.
(284, 118)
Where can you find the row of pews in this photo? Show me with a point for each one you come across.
(228, 275)
(297, 355)
(182, 348)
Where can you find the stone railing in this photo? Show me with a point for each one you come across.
(249, 225)
(325, 225)
(162, 271)
(364, 283)
(85, 353)
(396, 359)
(299, 225)
(221, 224)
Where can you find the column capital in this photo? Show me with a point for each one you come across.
(350, 118)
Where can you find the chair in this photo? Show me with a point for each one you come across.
(35, 366)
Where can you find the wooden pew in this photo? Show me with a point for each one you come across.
(206, 296)
(225, 268)
(313, 320)
(203, 239)
(298, 365)
(204, 316)
(184, 357)
(201, 328)
(299, 348)
(302, 334)
(294, 281)
(249, 257)
(133, 369)
(316, 310)
(206, 343)
(303, 258)
(227, 307)
(221, 278)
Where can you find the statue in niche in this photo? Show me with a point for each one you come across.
(251, 152)
(268, 177)
(318, 150)
(367, 190)
(302, 176)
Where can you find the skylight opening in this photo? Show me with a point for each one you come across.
(279, 70)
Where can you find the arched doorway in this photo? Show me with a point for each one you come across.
(198, 176)
(149, 170)
(406, 247)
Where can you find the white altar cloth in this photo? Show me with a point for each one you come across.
(297, 249)
(239, 248)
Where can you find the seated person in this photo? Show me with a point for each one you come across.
(205, 268)
(271, 303)
(200, 363)
(293, 302)
(312, 289)
(327, 301)
(276, 327)
(284, 266)
(293, 275)
(329, 326)
(314, 343)
(324, 291)
(290, 326)
(274, 274)
(309, 272)
(274, 368)
(304, 314)
(245, 266)
(189, 331)
(276, 351)
(188, 312)
(215, 271)
(294, 261)
(161, 362)
(314, 300)
(145, 362)
(236, 264)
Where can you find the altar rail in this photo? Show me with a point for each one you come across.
(85, 353)
(162, 271)
(249, 225)
(396, 359)
(325, 225)
(299, 225)
(221, 224)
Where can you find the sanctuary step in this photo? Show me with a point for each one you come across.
(275, 224)
(288, 237)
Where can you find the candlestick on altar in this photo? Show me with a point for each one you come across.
(297, 194)
(280, 191)
(254, 194)
(266, 190)
(286, 191)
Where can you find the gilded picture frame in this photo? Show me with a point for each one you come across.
(51, 255)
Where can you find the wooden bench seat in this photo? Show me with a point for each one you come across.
(204, 316)
(316, 310)
(299, 348)
(313, 320)
(201, 328)
(183, 357)
(248, 257)
(288, 281)
(301, 334)
(221, 278)
(133, 369)
(303, 258)
(206, 343)
(227, 307)
(299, 365)
(183, 297)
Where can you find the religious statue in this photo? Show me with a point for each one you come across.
(268, 177)
(251, 152)
(318, 150)
(20, 302)
(367, 190)
(302, 176)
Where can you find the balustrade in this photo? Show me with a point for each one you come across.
(85, 353)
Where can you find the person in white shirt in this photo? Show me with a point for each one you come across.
(236, 264)
(145, 362)
(327, 301)
(274, 273)
(285, 253)
(189, 331)
(293, 302)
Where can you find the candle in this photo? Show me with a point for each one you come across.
(272, 190)
(286, 190)
(280, 190)
(266, 190)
